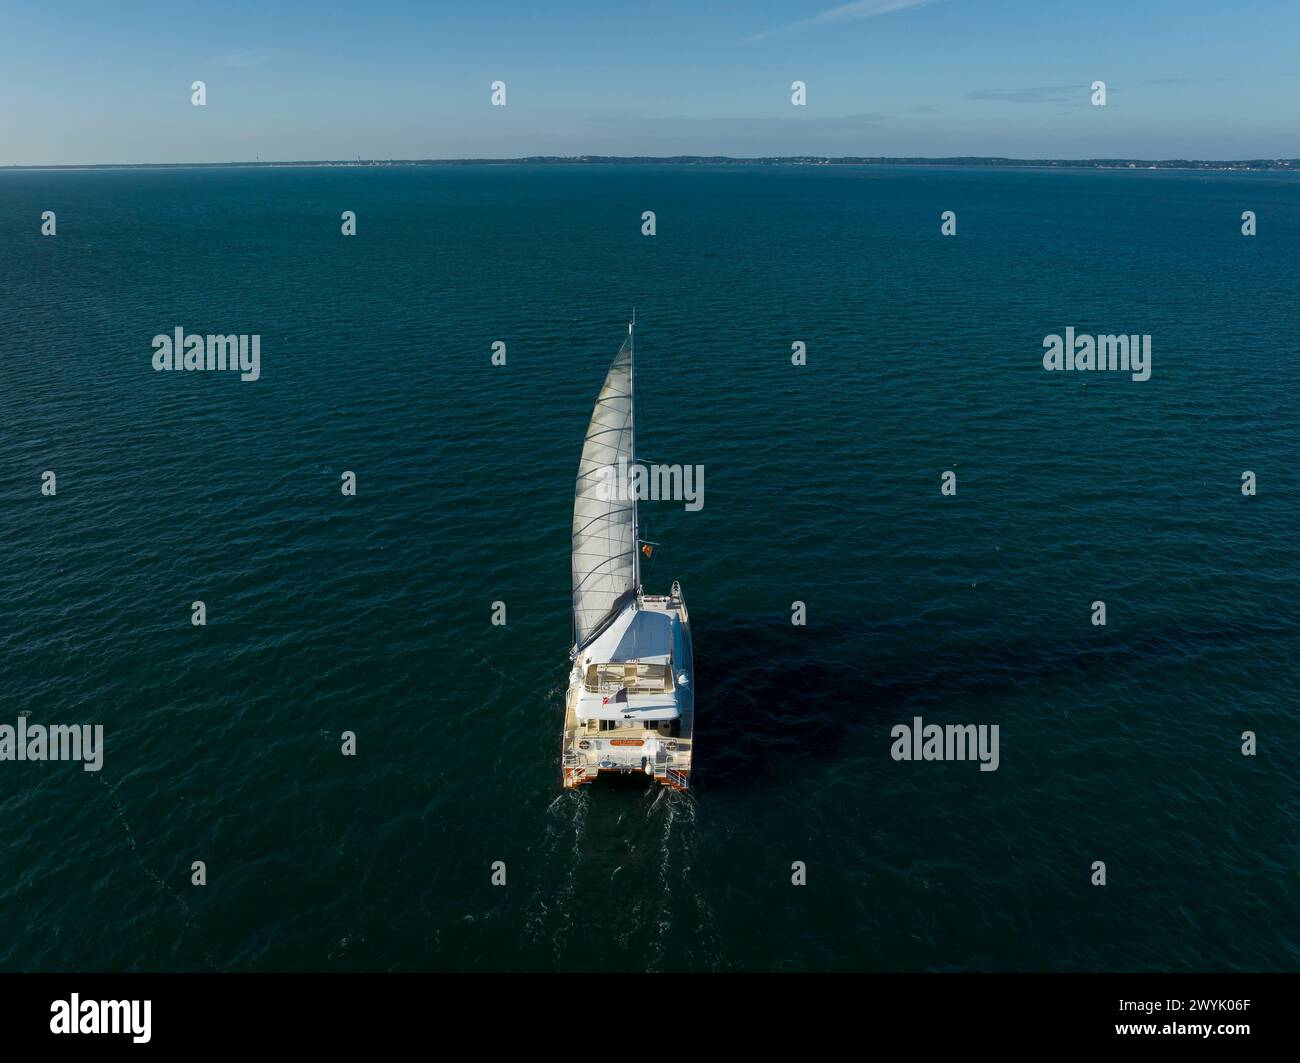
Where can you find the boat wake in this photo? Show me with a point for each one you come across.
(622, 872)
(190, 921)
(550, 912)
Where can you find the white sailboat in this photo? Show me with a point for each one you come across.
(630, 705)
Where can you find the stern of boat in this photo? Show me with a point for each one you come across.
(661, 750)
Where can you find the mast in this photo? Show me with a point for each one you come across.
(631, 420)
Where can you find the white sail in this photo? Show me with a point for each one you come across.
(604, 509)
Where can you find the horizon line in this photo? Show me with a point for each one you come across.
(1274, 163)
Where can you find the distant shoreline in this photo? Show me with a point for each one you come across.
(1231, 165)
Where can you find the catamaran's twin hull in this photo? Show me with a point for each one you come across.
(608, 730)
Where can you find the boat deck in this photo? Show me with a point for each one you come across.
(663, 746)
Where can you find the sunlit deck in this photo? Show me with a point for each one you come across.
(625, 731)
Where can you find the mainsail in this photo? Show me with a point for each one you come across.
(604, 508)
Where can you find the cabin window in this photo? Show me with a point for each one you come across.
(632, 677)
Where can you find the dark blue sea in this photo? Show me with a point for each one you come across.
(326, 613)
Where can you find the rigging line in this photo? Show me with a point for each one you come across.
(593, 572)
(604, 430)
(598, 516)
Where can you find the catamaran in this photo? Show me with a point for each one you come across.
(630, 705)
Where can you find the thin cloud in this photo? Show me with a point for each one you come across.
(844, 13)
(1040, 94)
(237, 60)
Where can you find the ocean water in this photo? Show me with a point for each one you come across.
(372, 614)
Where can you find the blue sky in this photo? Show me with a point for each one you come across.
(90, 82)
